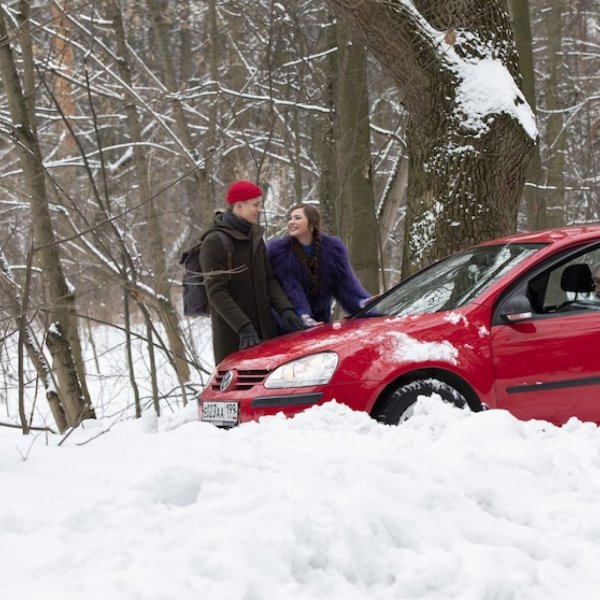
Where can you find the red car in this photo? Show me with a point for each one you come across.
(512, 323)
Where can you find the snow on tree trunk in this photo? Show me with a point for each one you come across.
(471, 131)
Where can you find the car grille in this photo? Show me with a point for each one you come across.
(245, 379)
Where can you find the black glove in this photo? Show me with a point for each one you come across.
(248, 337)
(291, 321)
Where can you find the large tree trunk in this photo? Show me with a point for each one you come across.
(467, 155)
(534, 194)
(62, 335)
(355, 204)
(556, 134)
(325, 137)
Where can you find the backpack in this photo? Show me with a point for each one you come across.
(195, 299)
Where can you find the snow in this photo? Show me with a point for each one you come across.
(456, 318)
(405, 347)
(487, 89)
(327, 505)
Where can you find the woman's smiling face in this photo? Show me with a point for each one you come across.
(298, 223)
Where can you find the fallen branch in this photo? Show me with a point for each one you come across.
(15, 426)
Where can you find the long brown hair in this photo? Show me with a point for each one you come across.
(311, 262)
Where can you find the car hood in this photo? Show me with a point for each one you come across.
(350, 335)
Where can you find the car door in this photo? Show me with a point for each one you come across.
(548, 366)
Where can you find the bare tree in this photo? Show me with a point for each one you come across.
(62, 335)
(18, 308)
(156, 246)
(566, 37)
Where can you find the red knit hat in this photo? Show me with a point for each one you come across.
(242, 190)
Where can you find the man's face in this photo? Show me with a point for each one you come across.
(248, 210)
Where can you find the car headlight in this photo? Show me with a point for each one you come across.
(315, 369)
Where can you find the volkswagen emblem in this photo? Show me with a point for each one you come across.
(227, 380)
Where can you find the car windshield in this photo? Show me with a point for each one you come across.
(451, 282)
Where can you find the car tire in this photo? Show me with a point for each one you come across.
(398, 404)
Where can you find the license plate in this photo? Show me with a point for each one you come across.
(222, 414)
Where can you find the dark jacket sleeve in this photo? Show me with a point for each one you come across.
(347, 289)
(213, 257)
(288, 272)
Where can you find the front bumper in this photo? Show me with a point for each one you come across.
(286, 400)
(256, 401)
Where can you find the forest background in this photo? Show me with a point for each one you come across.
(123, 122)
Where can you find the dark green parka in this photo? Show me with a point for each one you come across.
(242, 297)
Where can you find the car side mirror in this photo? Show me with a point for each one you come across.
(517, 308)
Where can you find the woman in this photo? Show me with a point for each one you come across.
(314, 268)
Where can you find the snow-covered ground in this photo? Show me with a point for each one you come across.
(328, 505)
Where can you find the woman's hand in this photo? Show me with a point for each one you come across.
(309, 321)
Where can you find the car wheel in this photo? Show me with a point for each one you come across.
(398, 404)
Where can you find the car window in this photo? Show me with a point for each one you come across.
(451, 282)
(567, 286)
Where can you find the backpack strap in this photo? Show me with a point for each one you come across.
(228, 245)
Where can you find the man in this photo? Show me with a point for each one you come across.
(240, 298)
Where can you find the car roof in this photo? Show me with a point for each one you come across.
(567, 235)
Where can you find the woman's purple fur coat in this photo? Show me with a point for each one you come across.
(336, 278)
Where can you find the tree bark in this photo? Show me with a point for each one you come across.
(355, 203)
(466, 169)
(533, 194)
(130, 364)
(213, 59)
(325, 138)
(556, 134)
